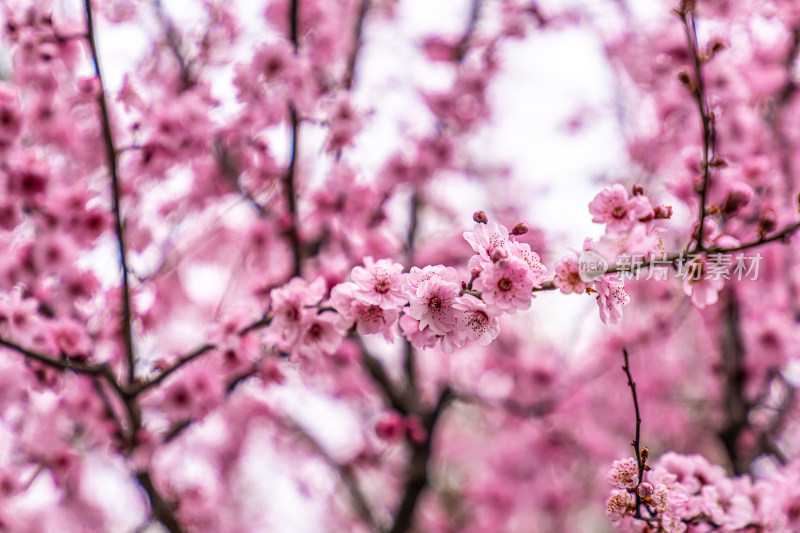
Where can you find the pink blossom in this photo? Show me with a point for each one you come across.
(486, 238)
(506, 286)
(618, 505)
(703, 289)
(345, 123)
(273, 61)
(612, 207)
(611, 296)
(10, 116)
(368, 318)
(624, 474)
(523, 251)
(416, 335)
(320, 335)
(379, 283)
(390, 427)
(293, 304)
(726, 505)
(567, 277)
(194, 394)
(433, 303)
(475, 320)
(417, 276)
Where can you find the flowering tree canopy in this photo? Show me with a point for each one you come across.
(223, 309)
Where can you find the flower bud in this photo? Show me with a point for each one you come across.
(499, 254)
(480, 217)
(519, 229)
(738, 197)
(767, 221)
(637, 190)
(645, 490)
(390, 427)
(709, 229)
(663, 212)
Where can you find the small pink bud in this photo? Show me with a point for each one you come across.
(390, 427)
(738, 197)
(709, 229)
(480, 217)
(663, 212)
(476, 272)
(519, 229)
(498, 254)
(767, 221)
(645, 490)
(718, 44)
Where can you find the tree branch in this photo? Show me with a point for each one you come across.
(358, 41)
(636, 444)
(698, 89)
(162, 510)
(111, 156)
(291, 173)
(417, 473)
(173, 42)
(345, 472)
(736, 406)
(194, 354)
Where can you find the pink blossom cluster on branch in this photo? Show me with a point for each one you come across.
(209, 300)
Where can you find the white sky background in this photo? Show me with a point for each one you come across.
(545, 80)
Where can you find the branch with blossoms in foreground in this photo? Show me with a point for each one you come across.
(431, 306)
(679, 491)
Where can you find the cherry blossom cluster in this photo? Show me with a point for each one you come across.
(682, 493)
(429, 305)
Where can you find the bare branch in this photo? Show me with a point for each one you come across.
(111, 156)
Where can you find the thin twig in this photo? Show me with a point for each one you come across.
(698, 89)
(345, 471)
(464, 42)
(173, 42)
(291, 192)
(194, 354)
(636, 445)
(358, 41)
(111, 156)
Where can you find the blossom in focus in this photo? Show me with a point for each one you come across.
(613, 207)
(611, 296)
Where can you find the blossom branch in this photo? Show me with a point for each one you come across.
(194, 354)
(636, 444)
(291, 173)
(698, 89)
(111, 155)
